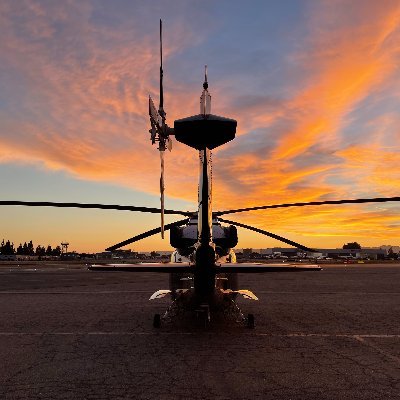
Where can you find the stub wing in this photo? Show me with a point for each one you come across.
(143, 267)
(258, 267)
(247, 294)
(188, 267)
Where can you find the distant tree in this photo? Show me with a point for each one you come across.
(20, 249)
(56, 251)
(7, 248)
(40, 250)
(154, 254)
(31, 251)
(49, 251)
(352, 245)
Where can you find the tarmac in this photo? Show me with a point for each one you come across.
(68, 333)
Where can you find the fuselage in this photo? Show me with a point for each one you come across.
(204, 254)
(204, 132)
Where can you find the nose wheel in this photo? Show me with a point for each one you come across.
(203, 314)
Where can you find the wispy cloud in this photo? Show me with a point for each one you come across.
(347, 63)
(83, 105)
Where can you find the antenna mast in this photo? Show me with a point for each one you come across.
(205, 98)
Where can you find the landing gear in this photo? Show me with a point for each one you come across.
(220, 304)
(250, 321)
(157, 321)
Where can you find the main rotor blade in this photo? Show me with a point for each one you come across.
(146, 234)
(277, 237)
(311, 203)
(162, 189)
(161, 72)
(91, 205)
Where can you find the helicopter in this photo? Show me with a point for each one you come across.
(207, 283)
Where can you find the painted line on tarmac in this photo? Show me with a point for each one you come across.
(358, 337)
(148, 291)
(338, 293)
(75, 292)
(367, 343)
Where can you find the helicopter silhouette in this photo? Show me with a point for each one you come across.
(207, 282)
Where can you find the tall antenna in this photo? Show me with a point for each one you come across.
(205, 84)
(205, 98)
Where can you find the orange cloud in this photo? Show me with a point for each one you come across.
(347, 64)
(345, 72)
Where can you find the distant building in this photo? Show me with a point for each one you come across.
(117, 254)
(395, 249)
(8, 257)
(164, 253)
(371, 253)
(71, 255)
(247, 253)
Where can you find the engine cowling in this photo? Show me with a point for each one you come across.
(225, 237)
(185, 238)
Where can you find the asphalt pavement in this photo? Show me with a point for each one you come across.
(67, 333)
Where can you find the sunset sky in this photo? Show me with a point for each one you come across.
(314, 86)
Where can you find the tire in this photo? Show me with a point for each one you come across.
(250, 321)
(157, 321)
(233, 281)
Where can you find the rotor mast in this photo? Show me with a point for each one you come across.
(205, 196)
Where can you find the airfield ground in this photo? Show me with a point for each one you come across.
(67, 333)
